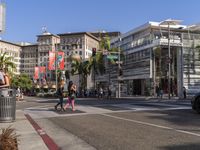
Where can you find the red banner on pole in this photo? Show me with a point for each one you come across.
(52, 56)
(60, 61)
(36, 75)
(42, 69)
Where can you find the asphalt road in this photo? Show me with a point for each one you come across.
(121, 125)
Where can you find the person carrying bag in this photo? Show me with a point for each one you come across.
(71, 95)
(60, 95)
(4, 83)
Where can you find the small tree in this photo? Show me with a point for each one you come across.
(6, 62)
(22, 81)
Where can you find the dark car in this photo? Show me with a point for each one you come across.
(196, 102)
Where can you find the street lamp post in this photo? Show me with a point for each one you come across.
(169, 22)
(119, 67)
(118, 62)
(56, 67)
(169, 64)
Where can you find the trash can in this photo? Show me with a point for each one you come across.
(7, 105)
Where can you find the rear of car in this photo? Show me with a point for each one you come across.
(196, 103)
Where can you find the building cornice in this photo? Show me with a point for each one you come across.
(10, 43)
(79, 33)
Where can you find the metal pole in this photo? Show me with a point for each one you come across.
(109, 76)
(119, 66)
(56, 65)
(94, 72)
(169, 63)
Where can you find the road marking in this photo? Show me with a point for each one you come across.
(153, 125)
(45, 137)
(41, 106)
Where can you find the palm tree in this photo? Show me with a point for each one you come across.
(6, 62)
(198, 49)
(81, 68)
(99, 59)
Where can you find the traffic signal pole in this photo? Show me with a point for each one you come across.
(119, 67)
(94, 59)
(119, 71)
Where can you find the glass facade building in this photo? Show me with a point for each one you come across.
(146, 60)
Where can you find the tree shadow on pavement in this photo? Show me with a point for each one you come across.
(182, 117)
(189, 146)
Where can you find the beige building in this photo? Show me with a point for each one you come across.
(47, 42)
(81, 44)
(12, 50)
(29, 59)
(27, 56)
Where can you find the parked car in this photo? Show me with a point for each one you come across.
(196, 102)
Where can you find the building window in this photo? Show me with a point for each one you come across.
(80, 52)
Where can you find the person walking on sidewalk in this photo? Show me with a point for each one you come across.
(184, 92)
(158, 91)
(60, 95)
(109, 93)
(4, 79)
(4, 82)
(71, 96)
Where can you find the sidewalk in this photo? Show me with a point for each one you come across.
(165, 97)
(29, 138)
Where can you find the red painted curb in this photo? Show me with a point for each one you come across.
(47, 140)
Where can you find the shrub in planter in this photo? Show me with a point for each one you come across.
(37, 90)
(8, 139)
(46, 90)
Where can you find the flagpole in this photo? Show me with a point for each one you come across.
(56, 65)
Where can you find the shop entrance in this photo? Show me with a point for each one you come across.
(137, 87)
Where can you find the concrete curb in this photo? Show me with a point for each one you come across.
(29, 138)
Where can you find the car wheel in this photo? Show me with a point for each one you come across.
(197, 104)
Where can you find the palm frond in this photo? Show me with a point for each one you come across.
(8, 139)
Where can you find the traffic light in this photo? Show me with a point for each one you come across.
(93, 51)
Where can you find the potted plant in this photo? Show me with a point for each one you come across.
(8, 139)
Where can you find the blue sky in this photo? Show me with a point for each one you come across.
(25, 18)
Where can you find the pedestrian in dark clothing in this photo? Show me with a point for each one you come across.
(184, 92)
(60, 94)
(158, 91)
(109, 93)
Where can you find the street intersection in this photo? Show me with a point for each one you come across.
(118, 124)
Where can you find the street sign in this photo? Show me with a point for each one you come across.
(105, 52)
(119, 62)
(112, 56)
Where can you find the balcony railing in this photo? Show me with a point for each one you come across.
(164, 41)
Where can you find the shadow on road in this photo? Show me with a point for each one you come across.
(182, 117)
(189, 146)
